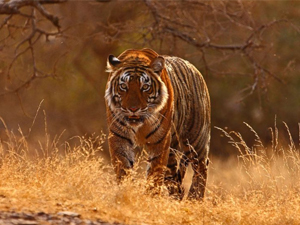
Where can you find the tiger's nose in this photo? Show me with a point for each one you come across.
(133, 109)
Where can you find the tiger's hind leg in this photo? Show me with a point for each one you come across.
(177, 165)
(197, 189)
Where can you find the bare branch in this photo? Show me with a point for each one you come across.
(206, 36)
(47, 15)
(12, 8)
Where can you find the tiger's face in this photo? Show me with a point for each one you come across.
(135, 92)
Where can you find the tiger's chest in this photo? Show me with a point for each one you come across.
(147, 134)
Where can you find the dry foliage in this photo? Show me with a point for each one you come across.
(261, 187)
(213, 34)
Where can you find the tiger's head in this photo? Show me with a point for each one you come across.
(135, 91)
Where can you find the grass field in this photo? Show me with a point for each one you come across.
(259, 186)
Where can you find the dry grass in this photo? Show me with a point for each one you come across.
(261, 186)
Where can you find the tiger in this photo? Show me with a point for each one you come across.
(160, 104)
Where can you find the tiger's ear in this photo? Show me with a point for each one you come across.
(158, 64)
(112, 62)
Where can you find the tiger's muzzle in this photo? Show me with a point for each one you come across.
(134, 120)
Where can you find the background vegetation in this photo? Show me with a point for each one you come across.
(56, 54)
(52, 131)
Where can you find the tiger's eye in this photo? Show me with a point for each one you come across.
(145, 87)
(123, 86)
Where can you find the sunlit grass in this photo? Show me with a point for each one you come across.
(259, 186)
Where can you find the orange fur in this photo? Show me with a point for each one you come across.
(142, 95)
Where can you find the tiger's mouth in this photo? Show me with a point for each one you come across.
(134, 119)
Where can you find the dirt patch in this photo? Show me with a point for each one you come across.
(22, 218)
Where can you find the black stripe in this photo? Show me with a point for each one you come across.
(173, 134)
(132, 130)
(184, 70)
(172, 165)
(199, 148)
(154, 130)
(120, 136)
(157, 127)
(119, 121)
(194, 122)
(155, 86)
(138, 68)
(177, 103)
(160, 140)
(175, 142)
(187, 153)
(202, 142)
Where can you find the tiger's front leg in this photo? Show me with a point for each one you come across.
(158, 158)
(122, 154)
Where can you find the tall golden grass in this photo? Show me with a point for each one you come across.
(259, 186)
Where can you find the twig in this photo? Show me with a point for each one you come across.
(35, 33)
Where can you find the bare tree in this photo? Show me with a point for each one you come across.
(28, 18)
(216, 32)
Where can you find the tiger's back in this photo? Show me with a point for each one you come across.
(191, 131)
(160, 103)
(191, 104)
